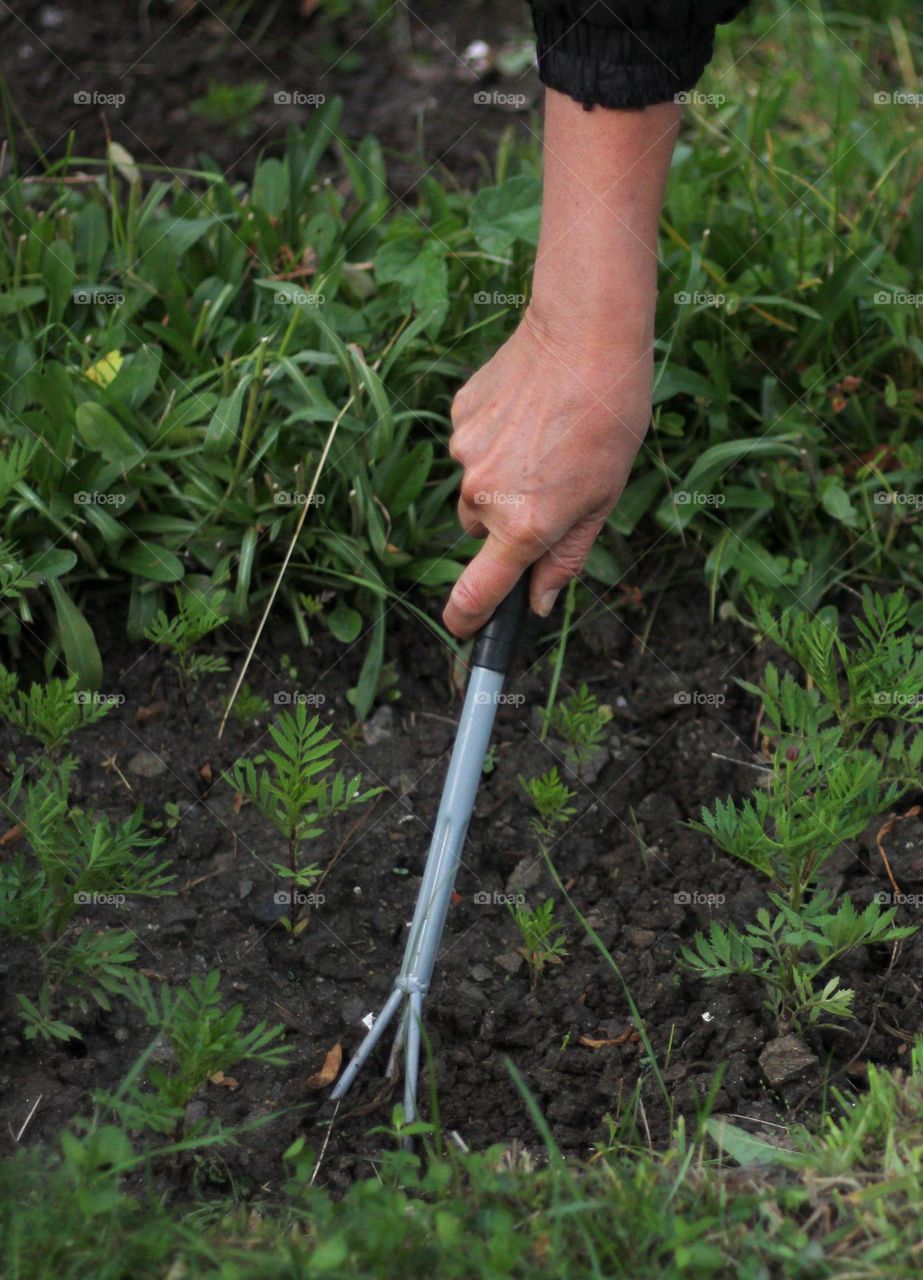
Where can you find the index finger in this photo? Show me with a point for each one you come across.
(487, 580)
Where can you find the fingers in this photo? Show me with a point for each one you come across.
(560, 563)
(469, 517)
(489, 577)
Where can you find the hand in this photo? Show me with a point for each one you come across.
(546, 433)
(548, 429)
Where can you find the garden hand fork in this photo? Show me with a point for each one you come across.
(491, 659)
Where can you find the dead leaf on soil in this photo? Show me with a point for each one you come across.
(627, 1037)
(14, 833)
(227, 1082)
(328, 1072)
(205, 772)
(152, 711)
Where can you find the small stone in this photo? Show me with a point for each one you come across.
(786, 1058)
(380, 726)
(481, 973)
(510, 961)
(162, 1053)
(641, 939)
(526, 874)
(195, 1112)
(146, 764)
(121, 1035)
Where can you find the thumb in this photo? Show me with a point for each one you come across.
(560, 563)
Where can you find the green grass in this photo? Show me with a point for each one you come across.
(846, 1203)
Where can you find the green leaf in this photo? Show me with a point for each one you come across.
(77, 639)
(345, 623)
(104, 434)
(149, 560)
(59, 275)
(502, 215)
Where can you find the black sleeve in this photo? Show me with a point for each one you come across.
(626, 53)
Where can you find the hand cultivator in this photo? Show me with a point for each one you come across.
(490, 662)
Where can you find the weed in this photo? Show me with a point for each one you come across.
(543, 941)
(75, 858)
(51, 712)
(581, 721)
(298, 793)
(203, 1039)
(198, 614)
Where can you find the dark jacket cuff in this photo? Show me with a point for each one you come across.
(618, 67)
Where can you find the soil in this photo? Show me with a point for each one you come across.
(639, 875)
(404, 79)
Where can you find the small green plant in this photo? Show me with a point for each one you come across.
(581, 721)
(202, 1039)
(550, 797)
(543, 941)
(490, 761)
(249, 705)
(75, 859)
(198, 613)
(821, 789)
(789, 952)
(298, 793)
(231, 105)
(51, 712)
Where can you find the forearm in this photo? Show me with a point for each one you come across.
(604, 178)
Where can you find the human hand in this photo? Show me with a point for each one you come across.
(546, 432)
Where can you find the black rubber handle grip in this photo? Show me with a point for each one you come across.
(495, 643)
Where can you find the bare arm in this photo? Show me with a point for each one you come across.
(546, 432)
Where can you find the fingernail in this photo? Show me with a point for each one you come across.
(546, 603)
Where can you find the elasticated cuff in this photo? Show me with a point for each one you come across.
(618, 67)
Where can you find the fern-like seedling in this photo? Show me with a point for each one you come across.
(197, 614)
(298, 792)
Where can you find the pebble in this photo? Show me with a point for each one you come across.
(145, 764)
(510, 961)
(380, 726)
(481, 973)
(786, 1058)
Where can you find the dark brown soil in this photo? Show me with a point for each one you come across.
(625, 859)
(403, 79)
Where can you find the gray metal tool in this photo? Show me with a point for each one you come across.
(491, 658)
